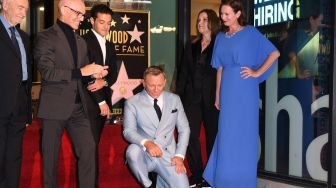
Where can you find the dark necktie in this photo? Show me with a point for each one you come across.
(14, 41)
(157, 109)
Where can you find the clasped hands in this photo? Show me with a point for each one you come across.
(155, 151)
(94, 70)
(98, 72)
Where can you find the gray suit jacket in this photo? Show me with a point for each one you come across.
(141, 122)
(55, 63)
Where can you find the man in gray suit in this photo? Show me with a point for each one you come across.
(150, 118)
(61, 57)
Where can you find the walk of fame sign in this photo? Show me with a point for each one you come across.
(130, 35)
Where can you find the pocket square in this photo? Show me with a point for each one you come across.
(173, 111)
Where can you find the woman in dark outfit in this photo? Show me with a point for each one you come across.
(196, 85)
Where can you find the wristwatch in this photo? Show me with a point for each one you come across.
(106, 84)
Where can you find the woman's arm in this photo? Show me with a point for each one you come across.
(247, 71)
(218, 81)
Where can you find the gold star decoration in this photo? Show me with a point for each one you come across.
(113, 23)
(125, 19)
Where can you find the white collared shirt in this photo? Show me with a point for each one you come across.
(102, 44)
(160, 101)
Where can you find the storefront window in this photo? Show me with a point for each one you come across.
(294, 132)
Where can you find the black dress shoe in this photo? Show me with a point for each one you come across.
(152, 186)
(205, 184)
(193, 182)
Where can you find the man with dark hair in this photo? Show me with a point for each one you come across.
(61, 57)
(150, 118)
(15, 95)
(101, 52)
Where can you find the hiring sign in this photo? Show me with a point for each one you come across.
(268, 12)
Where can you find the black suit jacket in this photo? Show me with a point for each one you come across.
(11, 73)
(56, 64)
(95, 54)
(186, 81)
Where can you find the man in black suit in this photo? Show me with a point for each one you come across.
(102, 52)
(15, 96)
(61, 57)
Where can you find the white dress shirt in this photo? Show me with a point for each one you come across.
(102, 44)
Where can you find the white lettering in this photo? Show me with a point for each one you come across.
(313, 158)
(290, 104)
(313, 154)
(257, 16)
(267, 13)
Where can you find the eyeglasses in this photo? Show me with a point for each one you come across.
(79, 14)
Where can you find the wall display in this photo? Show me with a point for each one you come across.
(130, 35)
(294, 132)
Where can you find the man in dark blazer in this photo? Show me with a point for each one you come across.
(102, 52)
(15, 96)
(61, 57)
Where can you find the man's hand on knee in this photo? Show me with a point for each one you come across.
(178, 162)
(153, 149)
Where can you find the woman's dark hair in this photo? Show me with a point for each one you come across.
(100, 8)
(213, 22)
(236, 6)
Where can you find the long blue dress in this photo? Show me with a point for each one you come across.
(234, 157)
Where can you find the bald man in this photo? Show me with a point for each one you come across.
(61, 57)
(15, 95)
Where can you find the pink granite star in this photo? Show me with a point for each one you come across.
(135, 34)
(123, 87)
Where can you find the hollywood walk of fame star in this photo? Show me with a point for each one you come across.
(123, 87)
(113, 23)
(125, 19)
(135, 34)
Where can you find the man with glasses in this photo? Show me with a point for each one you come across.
(61, 57)
(15, 95)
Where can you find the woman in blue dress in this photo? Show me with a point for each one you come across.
(243, 58)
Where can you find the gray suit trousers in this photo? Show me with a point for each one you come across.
(141, 163)
(79, 130)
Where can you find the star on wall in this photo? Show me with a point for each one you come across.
(125, 19)
(123, 87)
(113, 23)
(135, 34)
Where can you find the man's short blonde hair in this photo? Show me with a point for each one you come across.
(153, 70)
